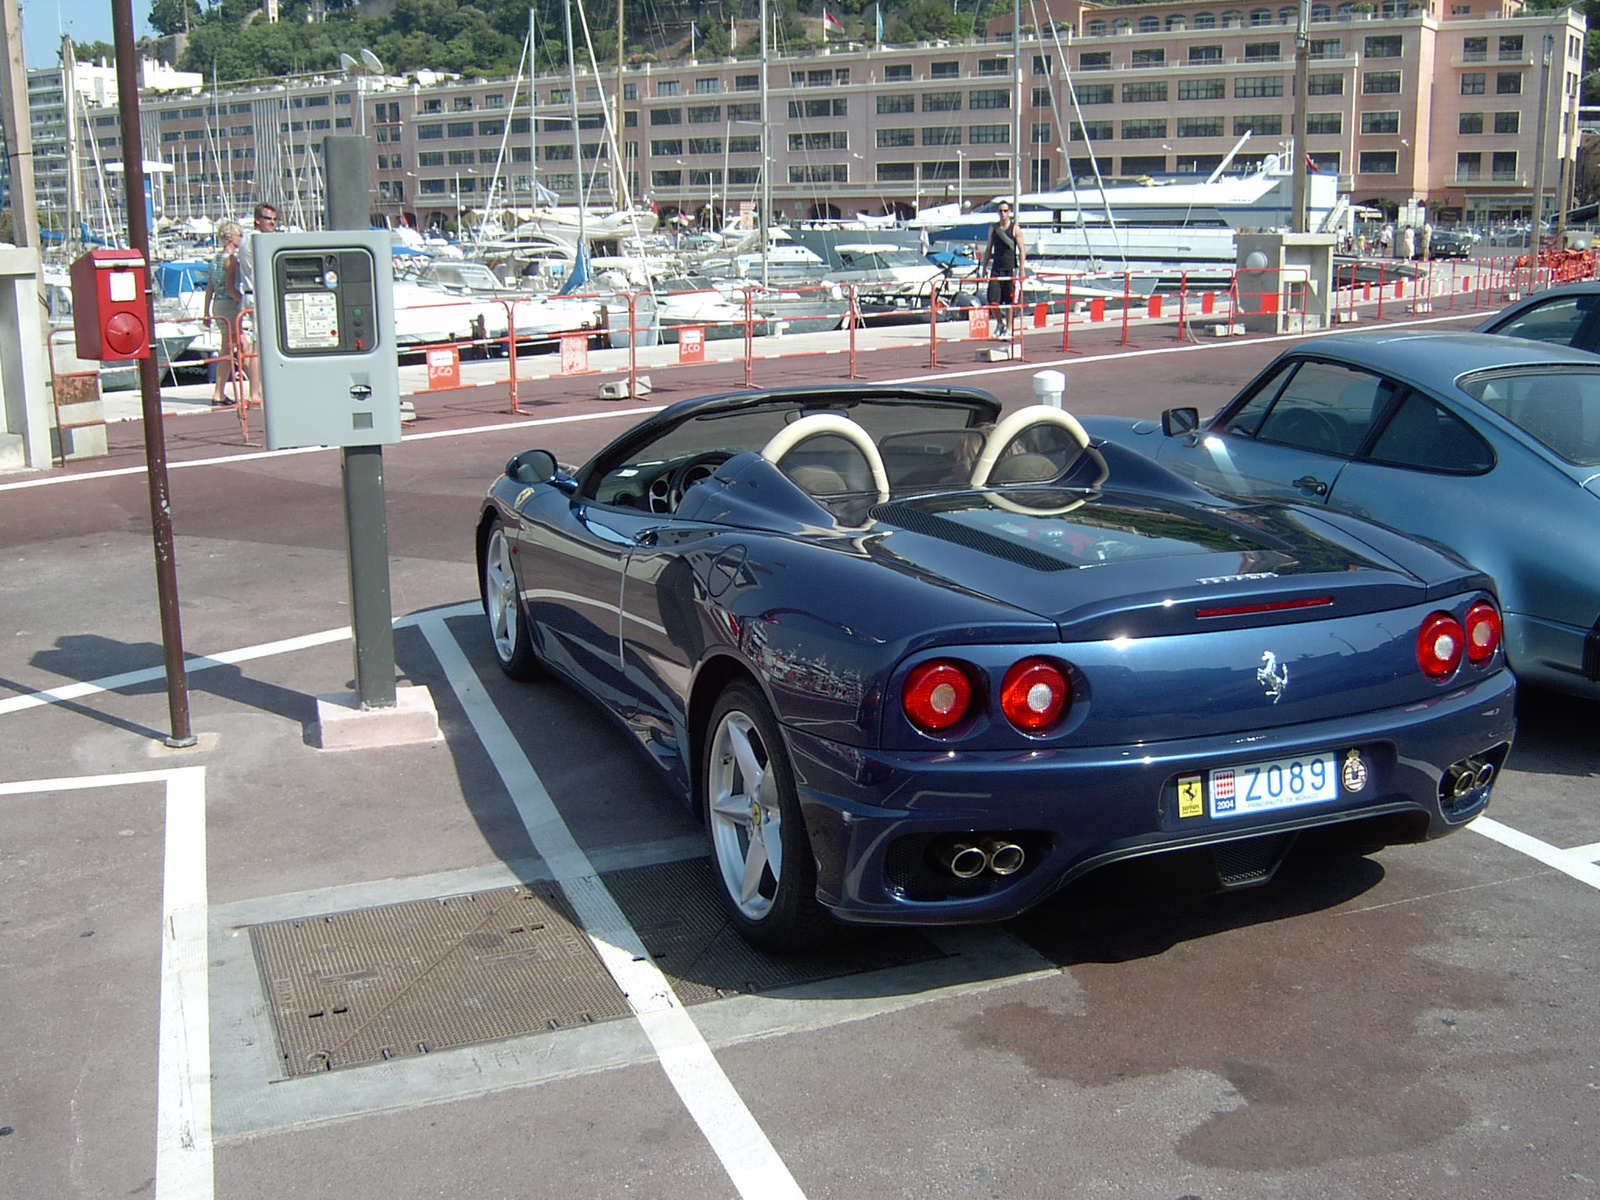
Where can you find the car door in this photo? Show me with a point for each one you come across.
(574, 553)
(1289, 437)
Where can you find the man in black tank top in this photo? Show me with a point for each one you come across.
(1003, 260)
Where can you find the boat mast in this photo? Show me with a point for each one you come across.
(69, 64)
(1016, 111)
(577, 143)
(766, 151)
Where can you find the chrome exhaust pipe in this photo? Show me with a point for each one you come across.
(1469, 776)
(962, 859)
(1484, 774)
(1003, 858)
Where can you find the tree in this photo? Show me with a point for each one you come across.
(174, 16)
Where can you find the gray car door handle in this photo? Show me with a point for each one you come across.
(1311, 483)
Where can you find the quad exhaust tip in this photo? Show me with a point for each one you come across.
(966, 859)
(1468, 776)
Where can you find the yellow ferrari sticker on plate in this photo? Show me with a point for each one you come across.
(1191, 796)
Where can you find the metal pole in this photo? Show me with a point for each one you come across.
(1301, 222)
(155, 445)
(1542, 136)
(366, 519)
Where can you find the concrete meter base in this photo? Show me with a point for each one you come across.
(342, 724)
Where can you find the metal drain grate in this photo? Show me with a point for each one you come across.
(680, 918)
(379, 983)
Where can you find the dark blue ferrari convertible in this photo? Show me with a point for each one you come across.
(914, 662)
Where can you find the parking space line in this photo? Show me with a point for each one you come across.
(1566, 861)
(738, 1141)
(1589, 853)
(227, 658)
(184, 1157)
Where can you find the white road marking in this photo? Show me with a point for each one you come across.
(1564, 861)
(755, 1168)
(184, 1159)
(1589, 853)
(110, 683)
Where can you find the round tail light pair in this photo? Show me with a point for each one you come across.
(939, 695)
(1443, 641)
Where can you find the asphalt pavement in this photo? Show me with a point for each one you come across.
(175, 923)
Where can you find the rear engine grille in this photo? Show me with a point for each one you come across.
(914, 520)
(1250, 861)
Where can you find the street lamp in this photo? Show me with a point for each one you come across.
(961, 174)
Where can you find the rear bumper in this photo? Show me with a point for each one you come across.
(871, 815)
(1553, 655)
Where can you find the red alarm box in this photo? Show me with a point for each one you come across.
(110, 308)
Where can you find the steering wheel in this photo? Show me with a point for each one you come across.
(1306, 428)
(667, 489)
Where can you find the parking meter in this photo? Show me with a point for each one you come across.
(111, 305)
(324, 312)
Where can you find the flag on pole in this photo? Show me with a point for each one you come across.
(831, 23)
(879, 8)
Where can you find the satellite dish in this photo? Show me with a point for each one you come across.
(374, 63)
(346, 62)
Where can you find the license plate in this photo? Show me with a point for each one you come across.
(1278, 783)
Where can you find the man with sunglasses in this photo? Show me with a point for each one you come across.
(1003, 261)
(266, 221)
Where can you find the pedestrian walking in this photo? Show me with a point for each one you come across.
(1004, 258)
(265, 220)
(222, 304)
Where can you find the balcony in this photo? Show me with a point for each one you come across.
(1499, 180)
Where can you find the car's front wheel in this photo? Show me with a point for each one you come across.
(502, 604)
(759, 845)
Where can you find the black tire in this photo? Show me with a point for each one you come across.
(502, 604)
(750, 795)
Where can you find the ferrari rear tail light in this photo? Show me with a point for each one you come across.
(937, 695)
(1034, 695)
(1483, 632)
(1440, 645)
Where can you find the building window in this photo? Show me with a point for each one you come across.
(1205, 54)
(461, 158)
(1042, 64)
(1380, 122)
(433, 187)
(941, 102)
(896, 104)
(827, 173)
(1508, 122)
(490, 128)
(1263, 125)
(993, 66)
(744, 175)
(1326, 48)
(1503, 166)
(1149, 58)
(897, 73)
(1386, 46)
(666, 179)
(1475, 49)
(989, 98)
(1327, 163)
(1470, 122)
(1041, 98)
(989, 168)
(1091, 131)
(1205, 20)
(1324, 122)
(1202, 89)
(1510, 47)
(1508, 83)
(1249, 87)
(1149, 24)
(428, 133)
(666, 116)
(1379, 162)
(713, 145)
(1380, 83)
(1095, 28)
(1469, 166)
(748, 143)
(1261, 52)
(706, 114)
(1041, 133)
(668, 87)
(564, 153)
(1094, 60)
(1325, 85)
(665, 147)
(430, 158)
(707, 87)
(460, 129)
(1472, 83)
(939, 172)
(896, 137)
(747, 83)
(1154, 127)
(942, 135)
(897, 172)
(945, 70)
(998, 135)
(1144, 93)
(744, 112)
(799, 109)
(1096, 93)
(1193, 127)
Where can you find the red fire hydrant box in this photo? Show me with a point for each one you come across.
(110, 309)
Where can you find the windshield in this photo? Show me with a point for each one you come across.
(1560, 409)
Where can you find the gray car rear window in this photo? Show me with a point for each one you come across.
(1560, 409)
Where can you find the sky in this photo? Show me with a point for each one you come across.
(44, 21)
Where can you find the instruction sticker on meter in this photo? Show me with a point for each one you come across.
(311, 320)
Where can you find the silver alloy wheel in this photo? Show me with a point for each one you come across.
(746, 821)
(500, 590)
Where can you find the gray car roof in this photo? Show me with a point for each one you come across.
(1435, 359)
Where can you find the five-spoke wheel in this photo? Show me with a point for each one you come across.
(502, 604)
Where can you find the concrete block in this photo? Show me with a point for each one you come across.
(1422, 306)
(994, 354)
(13, 452)
(342, 724)
(1228, 331)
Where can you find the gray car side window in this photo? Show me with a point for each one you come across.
(1246, 419)
(1557, 321)
(1425, 437)
(1327, 408)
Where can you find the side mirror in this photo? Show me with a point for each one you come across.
(1176, 422)
(532, 466)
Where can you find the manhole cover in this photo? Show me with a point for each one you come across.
(379, 983)
(680, 918)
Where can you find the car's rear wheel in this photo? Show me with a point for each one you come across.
(761, 852)
(502, 604)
